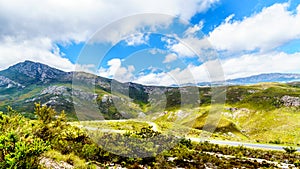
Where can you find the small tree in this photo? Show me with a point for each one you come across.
(290, 150)
(44, 113)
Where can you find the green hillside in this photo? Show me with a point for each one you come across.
(265, 112)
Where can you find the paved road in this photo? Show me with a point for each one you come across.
(250, 145)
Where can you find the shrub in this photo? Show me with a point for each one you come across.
(290, 150)
(19, 148)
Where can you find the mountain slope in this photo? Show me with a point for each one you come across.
(271, 77)
(27, 73)
(261, 112)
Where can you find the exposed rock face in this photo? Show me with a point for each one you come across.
(50, 163)
(236, 112)
(290, 101)
(6, 82)
(38, 71)
(66, 91)
(56, 90)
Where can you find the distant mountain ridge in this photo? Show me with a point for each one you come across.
(29, 72)
(33, 72)
(28, 82)
(266, 77)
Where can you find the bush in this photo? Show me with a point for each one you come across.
(290, 150)
(19, 148)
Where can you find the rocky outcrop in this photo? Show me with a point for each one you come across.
(56, 90)
(290, 101)
(236, 112)
(66, 91)
(38, 71)
(6, 82)
(51, 164)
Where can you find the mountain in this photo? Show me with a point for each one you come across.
(29, 72)
(249, 114)
(271, 77)
(27, 82)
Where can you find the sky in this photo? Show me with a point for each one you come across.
(168, 42)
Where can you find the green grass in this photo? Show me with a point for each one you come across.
(280, 125)
(129, 125)
(71, 159)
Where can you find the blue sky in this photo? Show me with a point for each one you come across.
(154, 43)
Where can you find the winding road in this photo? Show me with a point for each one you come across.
(249, 145)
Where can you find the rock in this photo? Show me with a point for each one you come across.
(8, 83)
(31, 100)
(232, 109)
(51, 164)
(290, 101)
(66, 91)
(38, 71)
(55, 90)
(236, 112)
(252, 91)
(106, 98)
(141, 115)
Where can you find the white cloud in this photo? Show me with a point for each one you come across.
(13, 51)
(243, 66)
(193, 43)
(76, 20)
(191, 31)
(191, 74)
(170, 57)
(156, 51)
(89, 68)
(116, 71)
(137, 39)
(190, 46)
(182, 50)
(62, 22)
(254, 64)
(113, 66)
(266, 30)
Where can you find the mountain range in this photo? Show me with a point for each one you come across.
(267, 112)
(29, 72)
(27, 82)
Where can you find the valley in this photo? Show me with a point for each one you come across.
(262, 113)
(260, 117)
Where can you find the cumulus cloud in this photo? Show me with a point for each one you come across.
(137, 39)
(75, 21)
(192, 43)
(191, 31)
(182, 50)
(253, 64)
(113, 66)
(170, 57)
(116, 71)
(246, 65)
(189, 75)
(266, 30)
(41, 50)
(89, 68)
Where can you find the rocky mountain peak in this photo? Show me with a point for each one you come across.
(34, 71)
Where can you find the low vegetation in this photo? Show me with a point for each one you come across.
(26, 143)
